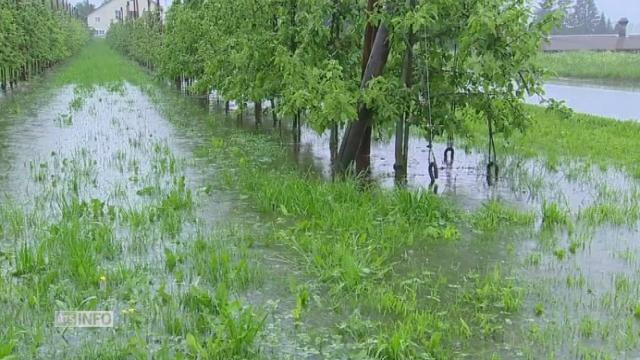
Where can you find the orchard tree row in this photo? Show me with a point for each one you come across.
(358, 64)
(140, 38)
(34, 36)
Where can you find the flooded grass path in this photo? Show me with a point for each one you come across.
(104, 208)
(210, 243)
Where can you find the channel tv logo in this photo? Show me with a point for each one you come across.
(84, 319)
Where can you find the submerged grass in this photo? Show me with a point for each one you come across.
(141, 247)
(350, 240)
(594, 65)
(112, 224)
(495, 215)
(86, 259)
(554, 215)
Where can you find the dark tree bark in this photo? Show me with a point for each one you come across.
(402, 125)
(369, 36)
(3, 79)
(293, 9)
(257, 110)
(333, 143)
(363, 158)
(356, 133)
(274, 115)
(293, 44)
(297, 137)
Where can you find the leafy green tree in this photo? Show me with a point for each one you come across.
(362, 65)
(184, 30)
(140, 39)
(473, 56)
(34, 37)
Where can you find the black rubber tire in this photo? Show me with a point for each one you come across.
(449, 155)
(433, 171)
(434, 187)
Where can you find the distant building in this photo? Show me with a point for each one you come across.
(616, 42)
(112, 11)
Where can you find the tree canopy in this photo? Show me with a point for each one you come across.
(473, 58)
(32, 36)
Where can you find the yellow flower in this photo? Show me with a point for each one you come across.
(103, 278)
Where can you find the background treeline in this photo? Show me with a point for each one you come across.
(33, 37)
(580, 17)
(364, 65)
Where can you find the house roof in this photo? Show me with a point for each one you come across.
(154, 2)
(592, 42)
(100, 7)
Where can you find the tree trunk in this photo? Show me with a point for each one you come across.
(257, 110)
(333, 143)
(12, 78)
(369, 36)
(400, 165)
(274, 115)
(293, 10)
(357, 133)
(3, 79)
(402, 125)
(363, 158)
(297, 136)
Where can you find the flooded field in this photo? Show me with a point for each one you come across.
(610, 99)
(128, 196)
(574, 258)
(102, 202)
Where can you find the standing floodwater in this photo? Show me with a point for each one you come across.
(595, 98)
(106, 207)
(119, 194)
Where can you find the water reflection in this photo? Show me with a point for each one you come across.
(617, 101)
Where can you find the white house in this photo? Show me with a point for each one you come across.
(117, 10)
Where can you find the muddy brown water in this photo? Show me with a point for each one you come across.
(107, 122)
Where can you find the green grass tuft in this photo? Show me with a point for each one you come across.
(594, 65)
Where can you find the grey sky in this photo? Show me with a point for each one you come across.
(615, 9)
